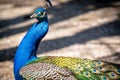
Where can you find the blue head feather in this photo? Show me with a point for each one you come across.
(26, 51)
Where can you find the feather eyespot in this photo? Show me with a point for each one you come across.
(99, 62)
(104, 78)
(79, 67)
(112, 74)
(100, 68)
(94, 70)
(93, 65)
(87, 73)
(118, 71)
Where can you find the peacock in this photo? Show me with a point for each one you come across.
(27, 66)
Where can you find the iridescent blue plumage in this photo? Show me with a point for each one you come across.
(26, 51)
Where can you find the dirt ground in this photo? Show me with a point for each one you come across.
(78, 28)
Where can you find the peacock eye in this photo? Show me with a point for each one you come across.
(41, 13)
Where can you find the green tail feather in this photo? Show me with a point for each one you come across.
(84, 69)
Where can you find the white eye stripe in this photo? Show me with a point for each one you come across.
(38, 13)
(42, 13)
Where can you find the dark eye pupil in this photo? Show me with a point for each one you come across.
(41, 13)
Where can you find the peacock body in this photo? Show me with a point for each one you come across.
(27, 66)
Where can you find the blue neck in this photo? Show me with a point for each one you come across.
(26, 51)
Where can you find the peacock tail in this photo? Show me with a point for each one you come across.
(67, 68)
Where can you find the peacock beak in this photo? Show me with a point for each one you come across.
(34, 15)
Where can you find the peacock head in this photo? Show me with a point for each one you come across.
(40, 14)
